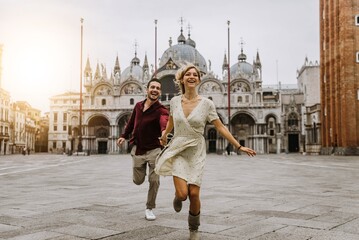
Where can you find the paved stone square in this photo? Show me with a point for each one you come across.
(286, 196)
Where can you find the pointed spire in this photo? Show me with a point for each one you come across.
(88, 73)
(97, 73)
(181, 39)
(88, 66)
(145, 62)
(258, 61)
(117, 68)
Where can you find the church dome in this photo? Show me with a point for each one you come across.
(184, 52)
(134, 71)
(242, 68)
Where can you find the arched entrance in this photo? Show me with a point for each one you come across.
(293, 142)
(98, 132)
(242, 126)
(293, 132)
(168, 88)
(212, 140)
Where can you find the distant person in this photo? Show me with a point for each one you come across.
(184, 158)
(229, 149)
(148, 120)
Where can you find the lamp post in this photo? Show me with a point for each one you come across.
(79, 147)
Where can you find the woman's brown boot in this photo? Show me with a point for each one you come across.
(177, 204)
(193, 224)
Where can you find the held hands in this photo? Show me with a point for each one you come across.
(165, 138)
(250, 152)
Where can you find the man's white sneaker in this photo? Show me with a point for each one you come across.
(150, 216)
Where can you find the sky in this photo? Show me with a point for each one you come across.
(42, 38)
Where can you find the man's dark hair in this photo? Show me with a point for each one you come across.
(153, 80)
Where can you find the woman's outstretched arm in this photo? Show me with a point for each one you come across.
(226, 134)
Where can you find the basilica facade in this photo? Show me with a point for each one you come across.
(267, 119)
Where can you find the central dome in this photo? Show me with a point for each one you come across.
(182, 53)
(243, 69)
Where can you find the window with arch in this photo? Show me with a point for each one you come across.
(292, 120)
(132, 101)
(271, 126)
(239, 99)
(102, 133)
(103, 102)
(212, 134)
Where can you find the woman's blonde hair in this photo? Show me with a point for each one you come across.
(182, 71)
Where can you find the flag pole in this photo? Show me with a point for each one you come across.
(155, 48)
(79, 147)
(229, 80)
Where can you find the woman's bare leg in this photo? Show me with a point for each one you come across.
(181, 188)
(195, 202)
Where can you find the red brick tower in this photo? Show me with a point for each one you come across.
(339, 76)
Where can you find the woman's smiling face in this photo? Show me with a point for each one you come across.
(191, 78)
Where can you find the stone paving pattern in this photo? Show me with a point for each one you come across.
(285, 196)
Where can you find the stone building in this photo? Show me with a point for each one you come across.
(308, 86)
(42, 134)
(255, 111)
(270, 119)
(18, 122)
(339, 76)
(5, 123)
(25, 121)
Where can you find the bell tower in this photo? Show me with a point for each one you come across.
(339, 76)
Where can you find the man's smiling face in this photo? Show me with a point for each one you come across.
(154, 91)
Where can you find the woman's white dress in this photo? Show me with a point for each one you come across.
(186, 153)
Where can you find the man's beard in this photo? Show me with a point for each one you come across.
(149, 96)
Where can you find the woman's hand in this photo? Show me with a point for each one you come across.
(250, 152)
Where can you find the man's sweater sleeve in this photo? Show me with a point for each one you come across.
(129, 125)
(164, 119)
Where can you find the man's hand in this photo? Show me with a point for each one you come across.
(120, 141)
(163, 140)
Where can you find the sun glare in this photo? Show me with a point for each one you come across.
(39, 63)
